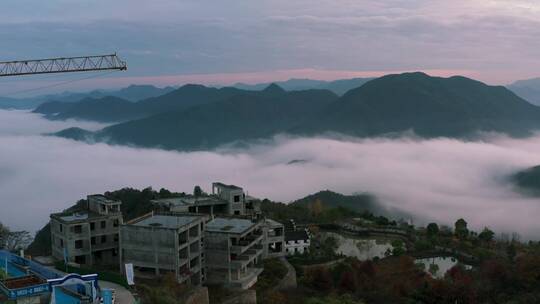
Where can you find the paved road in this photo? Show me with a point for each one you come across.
(123, 296)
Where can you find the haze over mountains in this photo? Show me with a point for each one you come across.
(527, 89)
(196, 117)
(130, 93)
(339, 87)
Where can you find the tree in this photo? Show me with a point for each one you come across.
(347, 282)
(164, 193)
(314, 229)
(433, 269)
(4, 232)
(197, 191)
(320, 278)
(398, 248)
(511, 251)
(316, 208)
(13, 240)
(432, 230)
(17, 240)
(486, 235)
(460, 229)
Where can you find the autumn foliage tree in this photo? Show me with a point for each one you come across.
(316, 208)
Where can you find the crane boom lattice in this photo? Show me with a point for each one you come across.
(62, 65)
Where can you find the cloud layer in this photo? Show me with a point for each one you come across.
(440, 179)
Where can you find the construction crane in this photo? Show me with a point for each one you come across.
(62, 65)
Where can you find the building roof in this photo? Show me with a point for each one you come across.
(76, 216)
(167, 221)
(233, 187)
(103, 199)
(297, 235)
(273, 223)
(190, 201)
(229, 225)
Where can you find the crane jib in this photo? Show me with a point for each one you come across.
(62, 65)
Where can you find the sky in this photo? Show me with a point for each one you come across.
(438, 179)
(171, 42)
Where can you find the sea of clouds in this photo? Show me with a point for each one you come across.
(437, 179)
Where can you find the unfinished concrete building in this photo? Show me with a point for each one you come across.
(233, 249)
(161, 243)
(88, 235)
(224, 200)
(274, 239)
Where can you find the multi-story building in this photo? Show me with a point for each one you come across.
(233, 248)
(88, 235)
(161, 243)
(274, 239)
(224, 200)
(297, 242)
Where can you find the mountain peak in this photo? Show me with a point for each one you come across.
(274, 89)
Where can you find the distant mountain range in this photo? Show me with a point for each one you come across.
(114, 109)
(141, 92)
(339, 87)
(195, 117)
(131, 93)
(527, 89)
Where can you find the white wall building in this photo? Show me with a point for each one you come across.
(297, 242)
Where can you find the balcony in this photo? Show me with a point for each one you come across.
(183, 238)
(194, 232)
(247, 257)
(194, 248)
(247, 279)
(245, 243)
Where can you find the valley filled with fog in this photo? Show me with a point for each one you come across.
(437, 179)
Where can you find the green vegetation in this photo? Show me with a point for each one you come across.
(460, 229)
(323, 252)
(343, 299)
(329, 207)
(432, 230)
(41, 245)
(273, 272)
(13, 240)
(165, 290)
(3, 274)
(401, 280)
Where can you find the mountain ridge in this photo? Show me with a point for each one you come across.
(339, 86)
(428, 106)
(131, 93)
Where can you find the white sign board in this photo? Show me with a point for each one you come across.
(129, 274)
